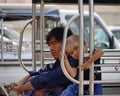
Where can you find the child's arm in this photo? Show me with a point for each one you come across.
(97, 54)
(72, 71)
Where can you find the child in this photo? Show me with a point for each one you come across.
(72, 49)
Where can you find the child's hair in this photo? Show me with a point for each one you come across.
(72, 44)
(71, 40)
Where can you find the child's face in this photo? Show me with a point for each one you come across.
(73, 50)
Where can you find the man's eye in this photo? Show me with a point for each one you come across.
(54, 42)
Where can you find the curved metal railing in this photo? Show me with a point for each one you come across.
(63, 50)
(20, 46)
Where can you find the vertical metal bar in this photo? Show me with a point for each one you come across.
(42, 32)
(91, 29)
(1, 39)
(81, 19)
(33, 35)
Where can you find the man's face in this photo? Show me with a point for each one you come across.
(55, 47)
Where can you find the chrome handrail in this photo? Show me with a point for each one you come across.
(63, 50)
(20, 46)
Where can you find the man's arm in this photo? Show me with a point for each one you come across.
(21, 88)
(23, 80)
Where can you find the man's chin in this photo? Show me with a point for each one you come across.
(55, 57)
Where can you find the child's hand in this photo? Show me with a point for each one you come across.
(65, 56)
(86, 65)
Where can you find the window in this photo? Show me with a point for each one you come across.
(9, 33)
(101, 39)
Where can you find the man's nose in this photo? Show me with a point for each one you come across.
(51, 46)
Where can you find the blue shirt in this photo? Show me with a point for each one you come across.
(51, 76)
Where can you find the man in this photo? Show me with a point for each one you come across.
(49, 77)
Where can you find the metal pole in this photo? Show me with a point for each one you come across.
(1, 39)
(33, 35)
(91, 29)
(42, 32)
(81, 12)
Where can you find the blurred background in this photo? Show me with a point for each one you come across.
(109, 13)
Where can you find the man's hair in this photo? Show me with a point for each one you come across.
(58, 33)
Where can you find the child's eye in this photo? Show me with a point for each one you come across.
(75, 47)
(71, 52)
